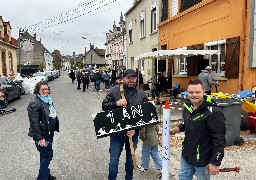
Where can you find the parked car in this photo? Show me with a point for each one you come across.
(50, 75)
(40, 76)
(11, 90)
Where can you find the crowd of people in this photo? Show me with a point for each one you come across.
(204, 127)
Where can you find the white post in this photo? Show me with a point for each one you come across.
(166, 141)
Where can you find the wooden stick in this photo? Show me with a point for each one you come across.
(133, 154)
(130, 138)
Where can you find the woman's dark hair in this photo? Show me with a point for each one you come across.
(38, 86)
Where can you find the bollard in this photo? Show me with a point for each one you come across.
(166, 141)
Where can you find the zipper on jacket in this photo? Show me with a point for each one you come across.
(197, 153)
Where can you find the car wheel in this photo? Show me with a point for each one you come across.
(5, 104)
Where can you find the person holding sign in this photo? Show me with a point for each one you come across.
(204, 126)
(114, 100)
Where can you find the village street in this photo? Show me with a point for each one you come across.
(78, 154)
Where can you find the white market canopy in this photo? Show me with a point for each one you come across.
(175, 54)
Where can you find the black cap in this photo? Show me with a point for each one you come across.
(130, 72)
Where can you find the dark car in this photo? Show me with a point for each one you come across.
(11, 90)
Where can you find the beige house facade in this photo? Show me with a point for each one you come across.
(142, 35)
(8, 48)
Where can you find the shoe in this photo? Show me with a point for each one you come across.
(51, 178)
(159, 175)
(142, 169)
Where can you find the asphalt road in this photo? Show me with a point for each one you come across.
(78, 154)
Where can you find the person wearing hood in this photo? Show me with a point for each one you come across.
(113, 100)
(206, 78)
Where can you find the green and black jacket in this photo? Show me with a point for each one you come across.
(204, 134)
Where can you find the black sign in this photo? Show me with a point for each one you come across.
(124, 119)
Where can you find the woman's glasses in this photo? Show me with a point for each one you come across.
(44, 89)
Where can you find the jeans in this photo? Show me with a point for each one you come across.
(46, 154)
(187, 171)
(117, 142)
(153, 151)
(106, 84)
(97, 85)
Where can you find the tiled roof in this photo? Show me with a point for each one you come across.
(100, 52)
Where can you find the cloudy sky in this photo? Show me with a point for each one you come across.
(66, 25)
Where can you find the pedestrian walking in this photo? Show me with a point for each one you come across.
(43, 122)
(106, 78)
(97, 79)
(78, 78)
(204, 142)
(149, 137)
(113, 78)
(206, 78)
(113, 100)
(85, 80)
(72, 76)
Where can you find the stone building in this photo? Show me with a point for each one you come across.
(33, 51)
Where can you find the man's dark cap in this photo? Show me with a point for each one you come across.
(130, 72)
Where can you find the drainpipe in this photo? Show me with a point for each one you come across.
(242, 51)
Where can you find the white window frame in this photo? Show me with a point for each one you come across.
(142, 24)
(182, 62)
(175, 7)
(218, 71)
(130, 31)
(153, 19)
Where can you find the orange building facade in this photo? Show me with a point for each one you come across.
(210, 24)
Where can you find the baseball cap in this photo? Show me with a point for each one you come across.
(208, 68)
(130, 72)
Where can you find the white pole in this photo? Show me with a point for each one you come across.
(166, 141)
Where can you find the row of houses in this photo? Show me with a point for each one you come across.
(152, 25)
(224, 25)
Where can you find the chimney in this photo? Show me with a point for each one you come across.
(85, 51)
(35, 36)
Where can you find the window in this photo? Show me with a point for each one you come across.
(142, 25)
(182, 65)
(217, 61)
(132, 62)
(185, 4)
(153, 19)
(130, 32)
(174, 10)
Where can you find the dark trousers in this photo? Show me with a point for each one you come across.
(46, 154)
(78, 84)
(85, 86)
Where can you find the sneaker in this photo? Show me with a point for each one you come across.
(159, 175)
(142, 169)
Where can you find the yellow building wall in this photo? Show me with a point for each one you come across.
(209, 21)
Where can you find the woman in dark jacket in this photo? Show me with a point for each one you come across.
(43, 122)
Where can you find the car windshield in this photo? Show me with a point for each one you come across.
(48, 72)
(39, 74)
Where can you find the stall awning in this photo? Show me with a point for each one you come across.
(175, 54)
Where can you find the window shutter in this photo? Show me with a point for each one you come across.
(232, 57)
(192, 62)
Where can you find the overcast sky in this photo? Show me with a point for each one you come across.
(87, 21)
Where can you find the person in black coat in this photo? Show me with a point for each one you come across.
(78, 78)
(43, 122)
(85, 80)
(72, 76)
